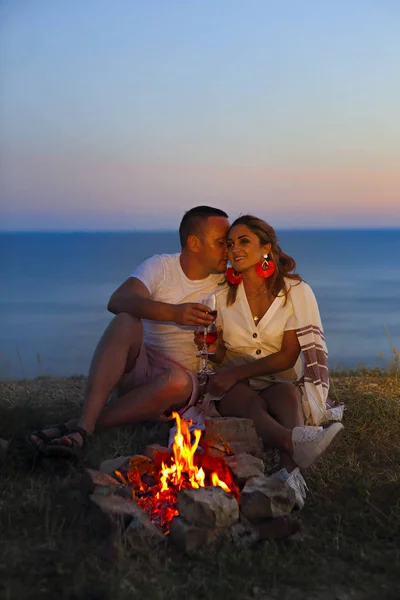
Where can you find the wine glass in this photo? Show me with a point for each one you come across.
(209, 334)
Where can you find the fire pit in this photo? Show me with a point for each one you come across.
(155, 484)
(192, 492)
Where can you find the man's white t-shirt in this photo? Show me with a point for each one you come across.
(163, 276)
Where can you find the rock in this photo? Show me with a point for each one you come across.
(158, 453)
(99, 478)
(114, 464)
(143, 464)
(115, 505)
(208, 507)
(244, 535)
(92, 478)
(192, 538)
(142, 526)
(244, 466)
(228, 428)
(254, 448)
(136, 518)
(216, 449)
(265, 498)
(230, 435)
(278, 528)
(125, 491)
(3, 449)
(139, 471)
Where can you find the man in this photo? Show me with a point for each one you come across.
(147, 352)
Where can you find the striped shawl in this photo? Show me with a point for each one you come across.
(314, 382)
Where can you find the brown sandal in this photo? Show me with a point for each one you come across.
(73, 451)
(40, 433)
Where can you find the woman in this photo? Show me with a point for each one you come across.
(268, 316)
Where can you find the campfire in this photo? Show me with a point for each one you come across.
(208, 486)
(155, 484)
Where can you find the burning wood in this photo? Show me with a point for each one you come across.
(183, 469)
(191, 492)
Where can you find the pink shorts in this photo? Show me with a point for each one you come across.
(149, 365)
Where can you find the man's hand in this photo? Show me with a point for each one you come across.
(192, 314)
(221, 382)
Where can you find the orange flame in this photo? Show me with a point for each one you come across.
(182, 470)
(216, 481)
(182, 461)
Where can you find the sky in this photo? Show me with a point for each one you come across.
(124, 114)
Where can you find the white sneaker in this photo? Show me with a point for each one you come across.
(309, 443)
(296, 481)
(335, 413)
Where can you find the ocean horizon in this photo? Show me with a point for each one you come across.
(56, 285)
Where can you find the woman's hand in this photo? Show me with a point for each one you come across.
(222, 381)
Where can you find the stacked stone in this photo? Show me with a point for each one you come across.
(116, 502)
(207, 514)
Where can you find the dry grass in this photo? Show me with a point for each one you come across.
(52, 544)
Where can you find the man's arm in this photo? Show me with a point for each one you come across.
(133, 297)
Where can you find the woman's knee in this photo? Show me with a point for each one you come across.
(281, 392)
(283, 402)
(256, 406)
(240, 401)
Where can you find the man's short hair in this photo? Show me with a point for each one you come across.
(194, 220)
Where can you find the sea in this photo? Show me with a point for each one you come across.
(55, 288)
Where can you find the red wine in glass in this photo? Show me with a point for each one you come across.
(211, 336)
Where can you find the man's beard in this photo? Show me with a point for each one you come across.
(218, 270)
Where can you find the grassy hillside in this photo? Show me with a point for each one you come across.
(52, 545)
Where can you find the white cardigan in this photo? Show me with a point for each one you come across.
(246, 343)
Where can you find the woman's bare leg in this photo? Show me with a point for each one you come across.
(283, 402)
(242, 401)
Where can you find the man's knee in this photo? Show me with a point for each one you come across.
(125, 334)
(127, 326)
(178, 384)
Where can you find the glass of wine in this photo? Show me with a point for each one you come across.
(209, 334)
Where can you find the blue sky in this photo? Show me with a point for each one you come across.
(123, 114)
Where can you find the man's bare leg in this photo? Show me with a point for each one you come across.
(116, 354)
(116, 351)
(283, 402)
(170, 391)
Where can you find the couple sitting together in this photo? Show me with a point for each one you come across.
(271, 349)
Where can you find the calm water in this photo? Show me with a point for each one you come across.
(55, 287)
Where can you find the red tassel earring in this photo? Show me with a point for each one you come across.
(265, 268)
(233, 277)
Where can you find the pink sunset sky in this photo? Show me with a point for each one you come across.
(123, 115)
